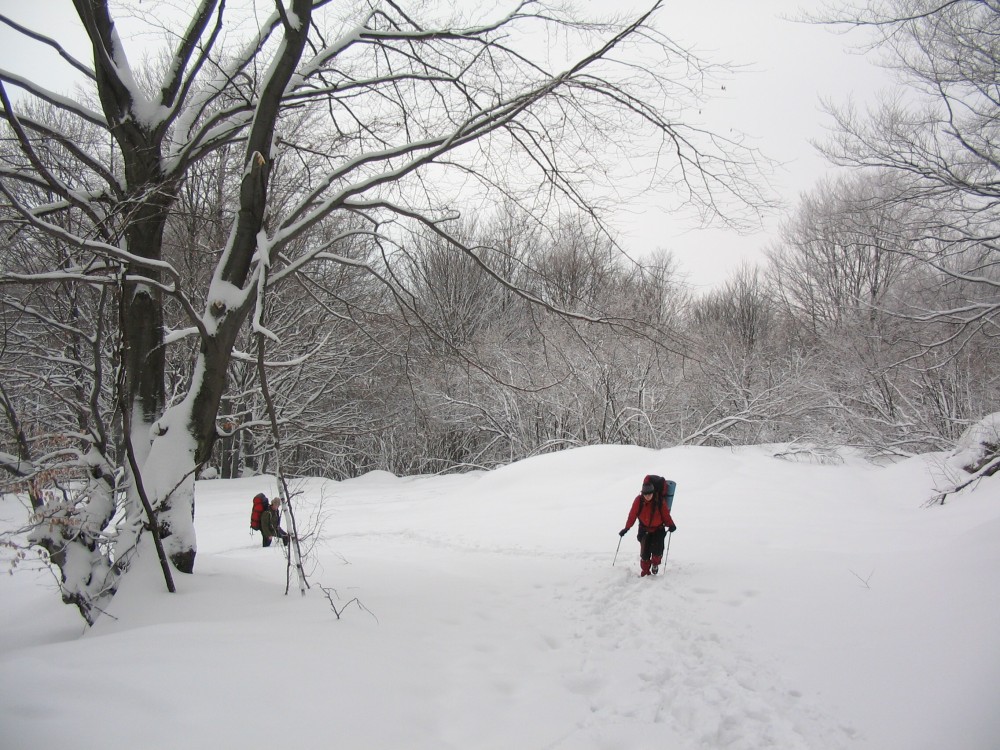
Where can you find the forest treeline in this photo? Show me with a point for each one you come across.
(830, 341)
(419, 358)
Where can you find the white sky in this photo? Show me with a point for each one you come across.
(775, 101)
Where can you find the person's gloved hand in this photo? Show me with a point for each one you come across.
(623, 532)
(672, 528)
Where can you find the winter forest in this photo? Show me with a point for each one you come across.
(312, 238)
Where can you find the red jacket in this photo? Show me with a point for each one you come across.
(652, 514)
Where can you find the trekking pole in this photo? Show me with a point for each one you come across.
(666, 553)
(616, 551)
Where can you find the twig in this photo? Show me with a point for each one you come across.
(330, 593)
(864, 580)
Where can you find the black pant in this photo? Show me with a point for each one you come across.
(284, 538)
(652, 541)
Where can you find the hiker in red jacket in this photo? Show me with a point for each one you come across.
(650, 509)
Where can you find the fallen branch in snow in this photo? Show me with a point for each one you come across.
(330, 593)
(988, 470)
(820, 454)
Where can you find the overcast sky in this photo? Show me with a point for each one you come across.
(791, 67)
(776, 101)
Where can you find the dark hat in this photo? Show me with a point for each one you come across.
(647, 487)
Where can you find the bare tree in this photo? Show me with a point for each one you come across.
(748, 385)
(938, 136)
(848, 278)
(842, 252)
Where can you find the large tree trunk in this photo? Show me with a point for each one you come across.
(186, 434)
(171, 447)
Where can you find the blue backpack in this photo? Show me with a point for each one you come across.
(665, 489)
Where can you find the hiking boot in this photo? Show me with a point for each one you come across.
(655, 569)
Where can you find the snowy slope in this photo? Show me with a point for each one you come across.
(802, 606)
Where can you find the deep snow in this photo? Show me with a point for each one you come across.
(801, 606)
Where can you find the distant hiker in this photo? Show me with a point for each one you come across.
(270, 523)
(651, 508)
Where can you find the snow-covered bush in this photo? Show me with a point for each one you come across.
(978, 446)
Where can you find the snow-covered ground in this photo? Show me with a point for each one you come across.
(801, 606)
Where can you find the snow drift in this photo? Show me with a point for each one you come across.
(801, 606)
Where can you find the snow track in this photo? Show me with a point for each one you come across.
(657, 674)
